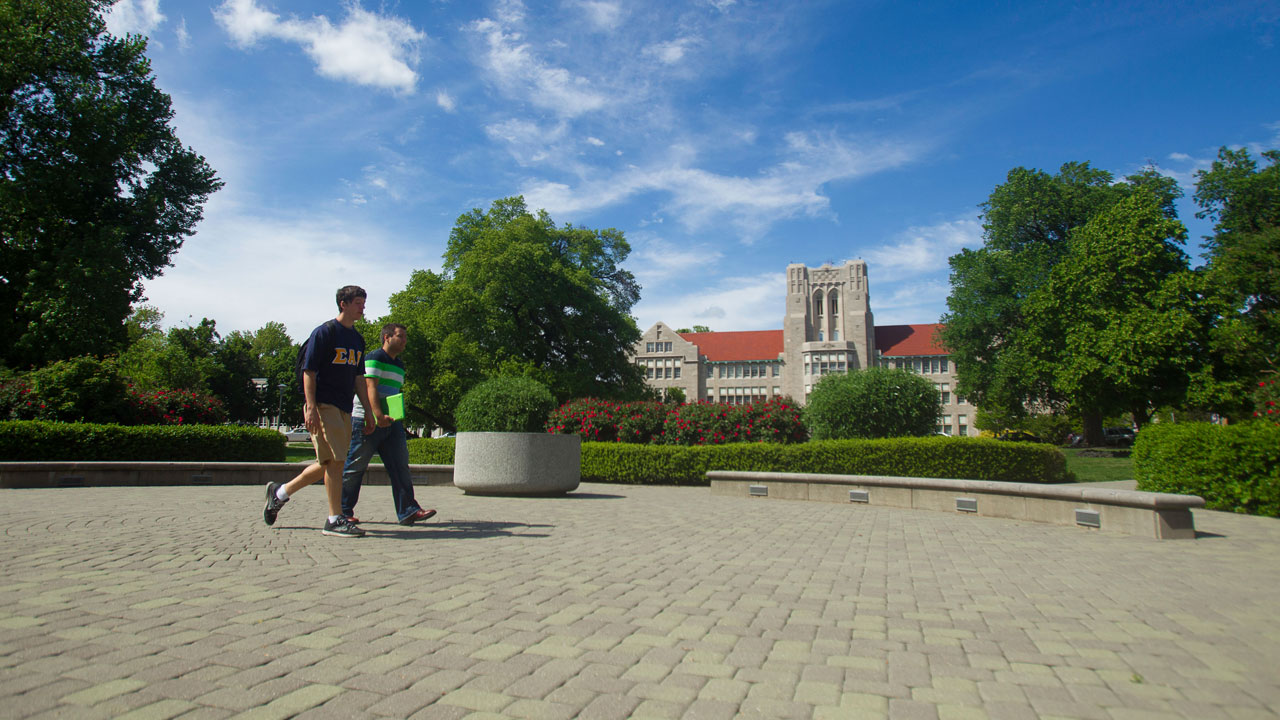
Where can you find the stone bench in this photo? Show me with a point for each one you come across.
(88, 473)
(1157, 515)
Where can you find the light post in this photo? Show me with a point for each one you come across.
(279, 402)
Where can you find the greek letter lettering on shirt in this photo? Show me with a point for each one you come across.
(347, 356)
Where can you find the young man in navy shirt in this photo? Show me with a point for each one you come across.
(332, 366)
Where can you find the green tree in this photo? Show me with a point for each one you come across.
(872, 403)
(1120, 321)
(96, 191)
(1242, 276)
(276, 355)
(1028, 223)
(520, 296)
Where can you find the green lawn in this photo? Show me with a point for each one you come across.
(1099, 469)
(303, 452)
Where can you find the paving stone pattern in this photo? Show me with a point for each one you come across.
(621, 602)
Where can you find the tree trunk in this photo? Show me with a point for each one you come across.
(1092, 421)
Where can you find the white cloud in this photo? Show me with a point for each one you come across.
(365, 48)
(923, 250)
(739, 303)
(134, 16)
(446, 101)
(909, 303)
(657, 261)
(528, 142)
(670, 52)
(184, 37)
(515, 68)
(231, 271)
(699, 197)
(595, 141)
(602, 15)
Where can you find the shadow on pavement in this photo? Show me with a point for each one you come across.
(459, 530)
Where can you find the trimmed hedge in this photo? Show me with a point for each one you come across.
(961, 458)
(431, 451)
(1233, 467)
(33, 440)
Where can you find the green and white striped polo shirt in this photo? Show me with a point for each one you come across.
(389, 372)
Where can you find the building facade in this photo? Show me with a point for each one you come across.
(827, 328)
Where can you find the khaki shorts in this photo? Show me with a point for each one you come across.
(334, 438)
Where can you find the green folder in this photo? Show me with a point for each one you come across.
(395, 406)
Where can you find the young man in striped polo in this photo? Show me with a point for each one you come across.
(383, 377)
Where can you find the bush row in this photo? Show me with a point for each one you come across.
(1233, 467)
(963, 458)
(82, 397)
(701, 423)
(30, 440)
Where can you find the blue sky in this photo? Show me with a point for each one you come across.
(726, 138)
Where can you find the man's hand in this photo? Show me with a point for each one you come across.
(370, 424)
(311, 418)
(384, 420)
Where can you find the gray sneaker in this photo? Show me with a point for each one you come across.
(272, 508)
(342, 527)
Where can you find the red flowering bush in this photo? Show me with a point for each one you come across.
(175, 407)
(18, 401)
(92, 390)
(700, 423)
(607, 421)
(1266, 401)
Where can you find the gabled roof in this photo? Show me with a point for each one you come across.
(740, 345)
(904, 340)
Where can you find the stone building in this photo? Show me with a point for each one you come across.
(827, 328)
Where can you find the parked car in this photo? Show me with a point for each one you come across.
(1118, 436)
(1017, 436)
(298, 434)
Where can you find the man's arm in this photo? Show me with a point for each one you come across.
(310, 410)
(363, 394)
(371, 387)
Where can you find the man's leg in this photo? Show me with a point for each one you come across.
(362, 447)
(309, 475)
(337, 433)
(394, 451)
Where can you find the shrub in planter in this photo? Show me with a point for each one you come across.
(505, 404)
(502, 447)
(872, 403)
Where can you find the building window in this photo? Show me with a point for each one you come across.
(944, 364)
(776, 369)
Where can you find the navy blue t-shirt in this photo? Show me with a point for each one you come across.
(336, 353)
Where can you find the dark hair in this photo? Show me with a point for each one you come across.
(390, 329)
(348, 293)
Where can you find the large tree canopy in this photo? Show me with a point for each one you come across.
(1029, 221)
(520, 296)
(1118, 327)
(96, 191)
(1242, 273)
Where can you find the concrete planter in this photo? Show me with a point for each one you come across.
(516, 463)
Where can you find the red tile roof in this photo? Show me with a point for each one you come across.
(901, 340)
(741, 345)
(891, 340)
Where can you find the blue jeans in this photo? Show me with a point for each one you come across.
(390, 444)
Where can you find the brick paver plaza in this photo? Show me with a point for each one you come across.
(619, 602)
